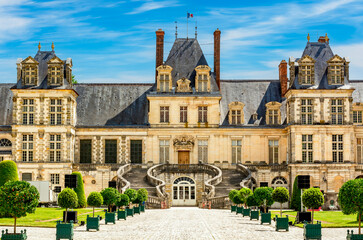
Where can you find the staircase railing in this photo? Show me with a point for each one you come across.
(246, 182)
(211, 183)
(123, 184)
(158, 183)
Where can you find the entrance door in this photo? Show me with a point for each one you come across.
(184, 192)
(183, 157)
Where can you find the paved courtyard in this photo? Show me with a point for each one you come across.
(185, 223)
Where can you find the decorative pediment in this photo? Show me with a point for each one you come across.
(203, 68)
(183, 85)
(306, 59)
(235, 105)
(273, 105)
(55, 60)
(336, 59)
(183, 142)
(164, 68)
(29, 60)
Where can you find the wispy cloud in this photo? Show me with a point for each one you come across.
(153, 5)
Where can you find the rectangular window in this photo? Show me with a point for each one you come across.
(183, 114)
(306, 74)
(236, 151)
(164, 151)
(30, 75)
(55, 111)
(55, 75)
(136, 151)
(273, 146)
(85, 151)
(203, 151)
(335, 75)
(337, 148)
(26, 177)
(357, 116)
(337, 115)
(54, 178)
(360, 150)
(55, 148)
(110, 151)
(27, 152)
(202, 82)
(28, 111)
(164, 82)
(307, 111)
(307, 148)
(273, 116)
(164, 114)
(203, 114)
(236, 117)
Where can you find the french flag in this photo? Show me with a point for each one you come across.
(189, 15)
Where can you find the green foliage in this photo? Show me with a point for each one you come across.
(123, 201)
(263, 196)
(74, 81)
(231, 194)
(80, 190)
(238, 199)
(95, 199)
(68, 199)
(251, 201)
(245, 193)
(296, 197)
(8, 172)
(313, 198)
(110, 196)
(132, 194)
(142, 195)
(280, 195)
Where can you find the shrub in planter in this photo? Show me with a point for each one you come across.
(282, 223)
(110, 197)
(263, 196)
(67, 199)
(245, 193)
(142, 195)
(132, 194)
(94, 199)
(17, 198)
(80, 190)
(231, 195)
(8, 172)
(280, 195)
(238, 200)
(123, 201)
(312, 231)
(313, 198)
(252, 203)
(296, 197)
(351, 198)
(64, 230)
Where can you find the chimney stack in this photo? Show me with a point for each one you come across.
(283, 77)
(159, 50)
(217, 56)
(324, 39)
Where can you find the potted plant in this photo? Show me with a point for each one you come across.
(245, 193)
(142, 196)
(66, 199)
(238, 200)
(251, 202)
(132, 194)
(95, 199)
(351, 202)
(110, 197)
(123, 201)
(263, 196)
(312, 198)
(17, 198)
(231, 195)
(281, 195)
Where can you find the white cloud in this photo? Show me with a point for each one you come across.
(354, 54)
(153, 5)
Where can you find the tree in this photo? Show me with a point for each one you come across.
(296, 197)
(263, 196)
(80, 190)
(94, 199)
(238, 199)
(132, 194)
(231, 194)
(110, 197)
(8, 172)
(123, 201)
(280, 195)
(245, 193)
(350, 198)
(17, 198)
(313, 198)
(74, 80)
(251, 201)
(67, 199)
(142, 195)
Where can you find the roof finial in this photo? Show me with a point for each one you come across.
(196, 29)
(308, 37)
(53, 46)
(176, 30)
(326, 37)
(39, 46)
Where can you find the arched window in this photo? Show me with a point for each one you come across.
(182, 180)
(5, 143)
(279, 182)
(359, 177)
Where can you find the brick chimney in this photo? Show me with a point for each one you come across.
(324, 39)
(159, 50)
(217, 57)
(283, 77)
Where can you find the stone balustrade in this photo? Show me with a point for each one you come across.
(123, 184)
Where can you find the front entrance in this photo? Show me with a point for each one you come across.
(183, 157)
(184, 192)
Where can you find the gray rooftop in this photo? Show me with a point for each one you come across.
(6, 104)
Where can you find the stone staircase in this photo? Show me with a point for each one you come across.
(231, 179)
(137, 178)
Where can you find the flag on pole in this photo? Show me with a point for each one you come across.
(189, 15)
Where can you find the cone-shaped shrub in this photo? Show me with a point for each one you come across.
(80, 190)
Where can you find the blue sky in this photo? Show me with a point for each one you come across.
(114, 41)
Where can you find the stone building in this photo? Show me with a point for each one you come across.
(191, 133)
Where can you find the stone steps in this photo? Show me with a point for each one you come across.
(231, 180)
(137, 178)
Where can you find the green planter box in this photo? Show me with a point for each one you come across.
(282, 223)
(255, 214)
(246, 212)
(93, 223)
(142, 208)
(266, 218)
(312, 231)
(121, 215)
(352, 236)
(233, 208)
(110, 217)
(64, 230)
(130, 212)
(239, 210)
(10, 236)
(137, 210)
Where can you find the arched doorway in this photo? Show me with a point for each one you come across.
(360, 176)
(184, 192)
(279, 182)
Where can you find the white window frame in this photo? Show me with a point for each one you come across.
(164, 114)
(273, 151)
(203, 151)
(337, 111)
(55, 110)
(164, 151)
(28, 148)
(55, 148)
(28, 111)
(307, 113)
(338, 148)
(307, 148)
(236, 151)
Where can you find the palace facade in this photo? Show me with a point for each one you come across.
(307, 122)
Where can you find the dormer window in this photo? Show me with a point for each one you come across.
(55, 75)
(202, 78)
(236, 116)
(29, 74)
(336, 70)
(164, 81)
(306, 75)
(273, 113)
(55, 71)
(335, 75)
(306, 70)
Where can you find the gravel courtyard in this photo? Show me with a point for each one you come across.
(185, 223)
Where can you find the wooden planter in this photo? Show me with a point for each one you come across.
(233, 208)
(239, 210)
(93, 223)
(11, 236)
(64, 230)
(352, 236)
(110, 217)
(255, 214)
(137, 210)
(312, 231)
(266, 218)
(130, 212)
(121, 214)
(282, 223)
(246, 212)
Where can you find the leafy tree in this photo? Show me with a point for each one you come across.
(281, 195)
(313, 198)
(123, 201)
(17, 198)
(238, 199)
(142, 195)
(351, 198)
(263, 196)
(110, 197)
(132, 194)
(232, 193)
(80, 190)
(296, 197)
(245, 193)
(94, 199)
(67, 199)
(251, 201)
(8, 172)
(74, 81)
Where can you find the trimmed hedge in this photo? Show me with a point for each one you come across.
(8, 172)
(296, 197)
(80, 190)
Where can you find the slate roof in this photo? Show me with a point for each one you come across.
(6, 104)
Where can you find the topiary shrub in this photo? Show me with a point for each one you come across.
(296, 197)
(238, 199)
(17, 198)
(350, 198)
(8, 172)
(110, 197)
(280, 195)
(80, 190)
(123, 201)
(263, 196)
(313, 198)
(251, 201)
(132, 194)
(245, 193)
(142, 195)
(94, 199)
(67, 199)
(232, 194)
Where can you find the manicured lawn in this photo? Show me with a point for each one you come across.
(47, 217)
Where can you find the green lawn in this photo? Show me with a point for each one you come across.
(47, 217)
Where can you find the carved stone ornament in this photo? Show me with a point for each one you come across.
(41, 133)
(183, 85)
(183, 142)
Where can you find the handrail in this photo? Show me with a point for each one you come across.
(245, 183)
(211, 183)
(122, 182)
(158, 183)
